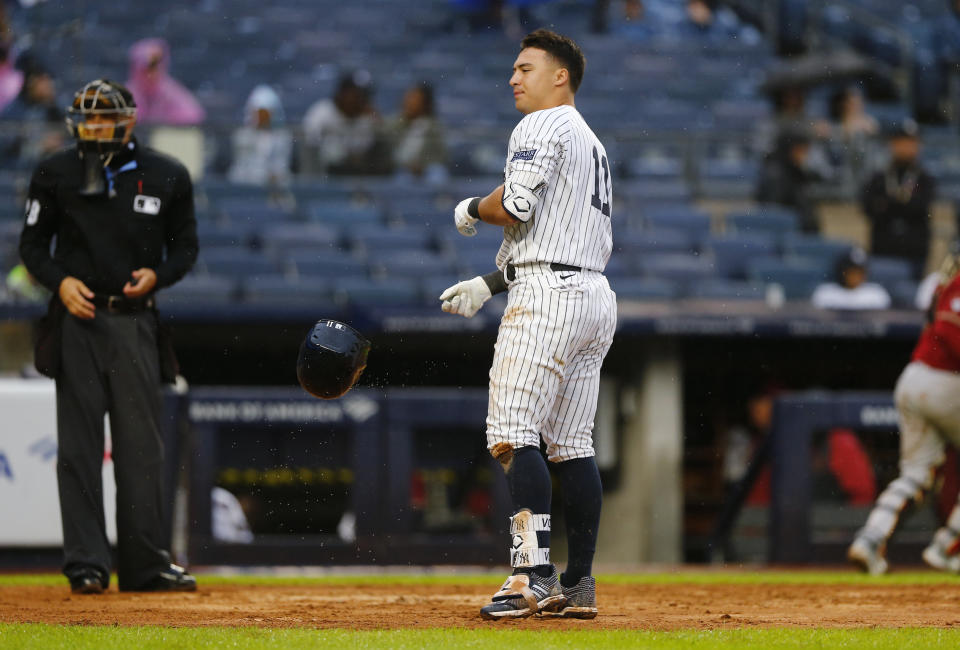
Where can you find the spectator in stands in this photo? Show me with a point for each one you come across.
(417, 138)
(897, 201)
(785, 178)
(160, 98)
(851, 130)
(705, 20)
(850, 289)
(636, 24)
(11, 79)
(263, 147)
(342, 134)
(38, 112)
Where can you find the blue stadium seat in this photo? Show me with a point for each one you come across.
(234, 262)
(684, 268)
(212, 234)
(769, 219)
(718, 289)
(339, 212)
(644, 289)
(888, 271)
(410, 264)
(311, 262)
(478, 261)
(277, 238)
(617, 267)
(903, 293)
(733, 252)
(798, 279)
(281, 289)
(371, 292)
(253, 210)
(662, 240)
(678, 217)
(377, 239)
(201, 291)
(487, 238)
(812, 247)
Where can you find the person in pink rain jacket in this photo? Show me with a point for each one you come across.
(160, 98)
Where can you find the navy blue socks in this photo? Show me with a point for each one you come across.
(582, 498)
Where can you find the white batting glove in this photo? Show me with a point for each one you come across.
(465, 223)
(465, 298)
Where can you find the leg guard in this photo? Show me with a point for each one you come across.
(892, 502)
(526, 551)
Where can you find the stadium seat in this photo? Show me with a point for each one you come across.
(798, 279)
(644, 288)
(252, 210)
(342, 213)
(889, 271)
(733, 252)
(812, 247)
(199, 291)
(277, 238)
(234, 262)
(281, 289)
(718, 289)
(384, 292)
(378, 239)
(652, 241)
(678, 217)
(311, 262)
(769, 219)
(678, 267)
(410, 264)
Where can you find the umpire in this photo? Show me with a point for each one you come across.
(122, 215)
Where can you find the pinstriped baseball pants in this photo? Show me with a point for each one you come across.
(545, 378)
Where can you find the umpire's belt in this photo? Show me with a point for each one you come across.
(122, 304)
(554, 266)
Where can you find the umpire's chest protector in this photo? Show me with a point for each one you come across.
(131, 215)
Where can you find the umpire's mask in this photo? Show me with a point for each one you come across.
(101, 119)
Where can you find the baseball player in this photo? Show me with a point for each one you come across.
(928, 401)
(554, 208)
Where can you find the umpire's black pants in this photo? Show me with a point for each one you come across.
(110, 364)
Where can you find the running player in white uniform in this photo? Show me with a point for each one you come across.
(554, 208)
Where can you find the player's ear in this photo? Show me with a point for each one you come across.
(561, 76)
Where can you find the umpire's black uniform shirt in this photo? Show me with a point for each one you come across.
(110, 363)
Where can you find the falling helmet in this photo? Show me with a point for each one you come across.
(331, 359)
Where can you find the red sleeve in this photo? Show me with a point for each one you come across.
(851, 467)
(946, 318)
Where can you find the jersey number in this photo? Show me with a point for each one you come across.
(600, 164)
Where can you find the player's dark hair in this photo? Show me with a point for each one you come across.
(561, 48)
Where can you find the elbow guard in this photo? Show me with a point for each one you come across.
(520, 202)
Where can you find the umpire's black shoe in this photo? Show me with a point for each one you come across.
(89, 581)
(174, 578)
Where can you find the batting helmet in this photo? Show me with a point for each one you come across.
(332, 357)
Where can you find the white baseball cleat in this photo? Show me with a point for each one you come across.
(866, 555)
(937, 557)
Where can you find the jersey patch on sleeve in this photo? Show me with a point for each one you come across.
(524, 154)
(32, 212)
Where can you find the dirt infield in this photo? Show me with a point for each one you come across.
(371, 606)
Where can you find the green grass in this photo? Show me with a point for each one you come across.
(429, 577)
(166, 638)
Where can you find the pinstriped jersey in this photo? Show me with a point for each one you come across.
(556, 154)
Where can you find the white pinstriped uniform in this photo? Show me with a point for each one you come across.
(558, 324)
